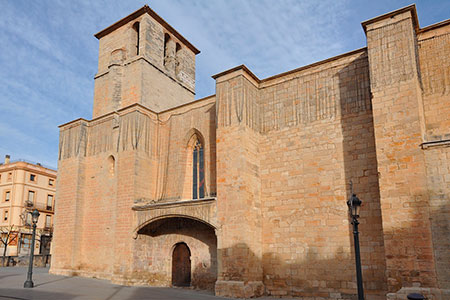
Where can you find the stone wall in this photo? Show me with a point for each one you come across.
(434, 53)
(434, 58)
(307, 162)
(312, 133)
(399, 131)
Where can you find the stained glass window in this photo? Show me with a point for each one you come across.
(198, 172)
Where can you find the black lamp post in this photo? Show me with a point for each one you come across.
(354, 205)
(29, 283)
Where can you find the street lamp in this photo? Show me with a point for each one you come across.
(354, 204)
(34, 218)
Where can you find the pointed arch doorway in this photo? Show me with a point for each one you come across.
(181, 265)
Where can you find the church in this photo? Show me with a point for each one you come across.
(244, 192)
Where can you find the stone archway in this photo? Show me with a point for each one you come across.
(177, 251)
(181, 265)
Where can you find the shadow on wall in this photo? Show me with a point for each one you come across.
(311, 275)
(440, 226)
(414, 260)
(360, 167)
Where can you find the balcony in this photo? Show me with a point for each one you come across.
(43, 207)
(48, 227)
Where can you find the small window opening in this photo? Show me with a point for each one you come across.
(32, 177)
(178, 58)
(7, 196)
(111, 165)
(5, 217)
(136, 29)
(166, 47)
(198, 172)
(51, 182)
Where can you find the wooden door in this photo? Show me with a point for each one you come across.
(181, 265)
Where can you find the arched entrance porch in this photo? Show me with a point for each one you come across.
(177, 251)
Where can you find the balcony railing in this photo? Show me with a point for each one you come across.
(38, 206)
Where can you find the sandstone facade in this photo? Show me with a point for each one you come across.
(252, 182)
(24, 187)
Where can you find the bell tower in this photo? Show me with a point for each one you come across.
(142, 59)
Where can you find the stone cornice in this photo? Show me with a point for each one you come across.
(154, 15)
(411, 8)
(149, 206)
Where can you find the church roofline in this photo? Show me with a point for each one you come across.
(240, 67)
(139, 12)
(135, 105)
(411, 8)
(435, 26)
(320, 62)
(244, 68)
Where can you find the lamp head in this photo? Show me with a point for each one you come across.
(354, 204)
(35, 216)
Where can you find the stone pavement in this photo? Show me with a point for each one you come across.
(54, 287)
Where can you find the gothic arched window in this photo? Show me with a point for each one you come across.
(198, 171)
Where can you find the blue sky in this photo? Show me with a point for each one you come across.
(48, 54)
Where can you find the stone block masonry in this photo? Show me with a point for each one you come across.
(272, 158)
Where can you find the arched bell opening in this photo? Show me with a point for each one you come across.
(181, 250)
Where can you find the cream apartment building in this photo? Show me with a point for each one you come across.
(25, 186)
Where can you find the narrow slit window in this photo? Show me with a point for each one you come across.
(178, 58)
(198, 172)
(166, 47)
(136, 38)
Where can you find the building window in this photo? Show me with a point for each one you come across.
(9, 176)
(49, 202)
(32, 177)
(5, 216)
(25, 241)
(198, 171)
(30, 200)
(48, 221)
(7, 196)
(28, 219)
(51, 182)
(136, 37)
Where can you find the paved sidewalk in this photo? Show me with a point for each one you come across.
(54, 287)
